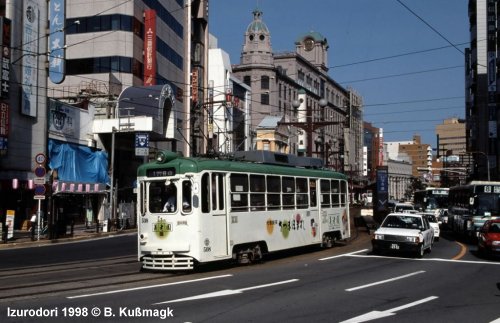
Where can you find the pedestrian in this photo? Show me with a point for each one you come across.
(33, 226)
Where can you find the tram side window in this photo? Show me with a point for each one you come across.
(312, 192)
(239, 192)
(335, 193)
(257, 192)
(302, 194)
(325, 192)
(288, 192)
(187, 200)
(205, 193)
(343, 195)
(273, 192)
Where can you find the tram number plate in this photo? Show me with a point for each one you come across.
(394, 246)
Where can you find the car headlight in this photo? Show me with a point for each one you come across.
(496, 243)
(412, 239)
(378, 236)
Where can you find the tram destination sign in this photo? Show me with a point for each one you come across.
(160, 172)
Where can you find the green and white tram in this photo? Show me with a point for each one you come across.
(236, 209)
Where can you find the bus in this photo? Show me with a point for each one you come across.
(431, 199)
(236, 209)
(472, 204)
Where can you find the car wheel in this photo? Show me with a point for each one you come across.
(421, 250)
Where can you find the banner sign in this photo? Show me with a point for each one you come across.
(149, 47)
(57, 55)
(31, 36)
(5, 35)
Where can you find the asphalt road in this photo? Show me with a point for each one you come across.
(100, 280)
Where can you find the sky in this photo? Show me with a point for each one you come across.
(404, 57)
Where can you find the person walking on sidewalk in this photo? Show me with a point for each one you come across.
(33, 226)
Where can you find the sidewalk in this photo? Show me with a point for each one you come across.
(22, 238)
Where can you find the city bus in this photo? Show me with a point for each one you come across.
(471, 205)
(431, 199)
(236, 209)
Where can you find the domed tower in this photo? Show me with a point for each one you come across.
(313, 47)
(257, 44)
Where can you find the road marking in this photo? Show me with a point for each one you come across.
(463, 250)
(385, 281)
(147, 287)
(373, 315)
(427, 259)
(343, 255)
(225, 292)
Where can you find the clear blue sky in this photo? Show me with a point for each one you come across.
(408, 74)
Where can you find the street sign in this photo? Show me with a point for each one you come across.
(141, 144)
(39, 189)
(40, 159)
(40, 171)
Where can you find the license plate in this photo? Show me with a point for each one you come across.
(394, 246)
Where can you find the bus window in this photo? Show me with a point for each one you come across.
(257, 192)
(302, 196)
(273, 192)
(239, 192)
(325, 192)
(288, 192)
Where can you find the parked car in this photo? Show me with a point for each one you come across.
(404, 232)
(488, 241)
(434, 223)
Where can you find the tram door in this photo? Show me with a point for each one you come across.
(219, 214)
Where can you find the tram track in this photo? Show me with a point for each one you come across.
(33, 281)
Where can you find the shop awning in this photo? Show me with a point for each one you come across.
(61, 187)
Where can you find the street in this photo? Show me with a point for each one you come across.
(100, 279)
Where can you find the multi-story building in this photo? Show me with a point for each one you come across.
(374, 143)
(421, 157)
(451, 150)
(481, 89)
(137, 67)
(324, 119)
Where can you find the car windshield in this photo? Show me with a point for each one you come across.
(431, 218)
(402, 222)
(495, 227)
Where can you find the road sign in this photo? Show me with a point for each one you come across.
(39, 189)
(40, 159)
(141, 144)
(40, 171)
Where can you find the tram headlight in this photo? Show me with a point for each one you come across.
(161, 157)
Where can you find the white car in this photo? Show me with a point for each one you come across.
(403, 207)
(404, 232)
(434, 223)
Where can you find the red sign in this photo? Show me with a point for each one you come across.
(149, 47)
(194, 85)
(4, 119)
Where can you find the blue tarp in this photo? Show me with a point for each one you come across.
(75, 163)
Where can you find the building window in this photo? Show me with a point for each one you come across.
(264, 98)
(264, 82)
(247, 80)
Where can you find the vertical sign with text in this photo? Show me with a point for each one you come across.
(56, 40)
(149, 47)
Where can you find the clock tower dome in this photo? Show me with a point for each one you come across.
(313, 47)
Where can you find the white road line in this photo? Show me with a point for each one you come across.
(147, 287)
(343, 255)
(385, 281)
(373, 315)
(225, 292)
(425, 259)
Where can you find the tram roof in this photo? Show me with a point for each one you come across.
(184, 165)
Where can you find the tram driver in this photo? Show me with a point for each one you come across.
(171, 204)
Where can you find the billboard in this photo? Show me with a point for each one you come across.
(5, 38)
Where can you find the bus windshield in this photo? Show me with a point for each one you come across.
(488, 203)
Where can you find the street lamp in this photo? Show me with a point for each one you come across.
(485, 156)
